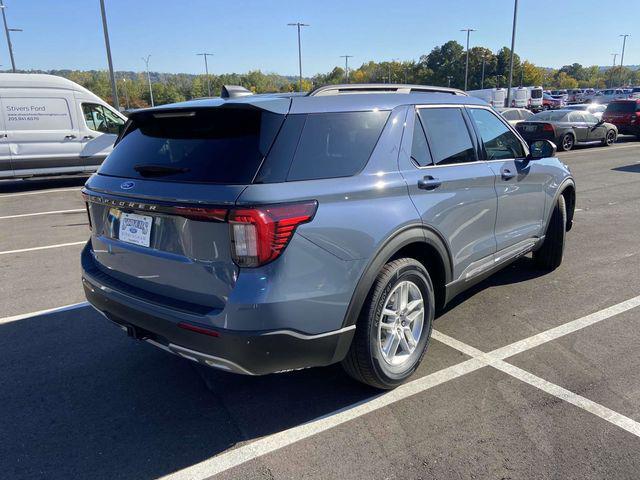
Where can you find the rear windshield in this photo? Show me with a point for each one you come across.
(221, 145)
(621, 107)
(549, 116)
(536, 93)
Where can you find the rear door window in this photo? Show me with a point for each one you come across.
(214, 145)
(336, 144)
(420, 153)
(448, 135)
(499, 141)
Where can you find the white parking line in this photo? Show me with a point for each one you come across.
(46, 247)
(52, 212)
(24, 316)
(271, 443)
(39, 192)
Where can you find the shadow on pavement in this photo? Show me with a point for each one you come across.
(41, 183)
(633, 168)
(80, 400)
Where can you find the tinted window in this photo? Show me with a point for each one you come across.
(221, 145)
(419, 148)
(621, 107)
(448, 135)
(499, 142)
(558, 116)
(536, 93)
(511, 115)
(336, 144)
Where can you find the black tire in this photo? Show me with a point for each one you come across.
(549, 255)
(365, 362)
(610, 138)
(567, 142)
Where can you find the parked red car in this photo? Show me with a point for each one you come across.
(551, 103)
(624, 114)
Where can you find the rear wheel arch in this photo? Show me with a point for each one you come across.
(414, 241)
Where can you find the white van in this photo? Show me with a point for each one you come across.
(535, 96)
(520, 97)
(493, 96)
(51, 125)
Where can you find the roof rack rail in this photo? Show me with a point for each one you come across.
(234, 91)
(354, 88)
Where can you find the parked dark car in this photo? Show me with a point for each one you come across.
(567, 128)
(624, 114)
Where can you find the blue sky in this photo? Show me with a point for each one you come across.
(250, 34)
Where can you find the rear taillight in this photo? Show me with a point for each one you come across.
(260, 234)
(547, 127)
(203, 214)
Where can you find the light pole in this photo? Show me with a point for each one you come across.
(449, 77)
(146, 61)
(613, 71)
(206, 69)
(624, 42)
(112, 76)
(299, 25)
(6, 31)
(346, 66)
(126, 92)
(466, 68)
(513, 46)
(484, 60)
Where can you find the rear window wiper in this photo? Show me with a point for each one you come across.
(158, 170)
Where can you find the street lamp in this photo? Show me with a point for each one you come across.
(466, 68)
(299, 25)
(346, 66)
(146, 61)
(206, 69)
(613, 71)
(6, 31)
(484, 60)
(112, 76)
(624, 42)
(513, 46)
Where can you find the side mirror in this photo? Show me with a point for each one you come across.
(541, 149)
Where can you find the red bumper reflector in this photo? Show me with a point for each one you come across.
(197, 329)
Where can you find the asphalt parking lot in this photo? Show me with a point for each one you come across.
(528, 375)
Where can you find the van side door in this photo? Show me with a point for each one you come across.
(519, 183)
(99, 127)
(42, 131)
(452, 189)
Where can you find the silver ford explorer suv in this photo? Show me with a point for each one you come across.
(266, 233)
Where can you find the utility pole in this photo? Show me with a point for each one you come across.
(466, 68)
(513, 46)
(613, 71)
(206, 69)
(299, 25)
(624, 42)
(146, 61)
(7, 31)
(346, 66)
(484, 60)
(112, 75)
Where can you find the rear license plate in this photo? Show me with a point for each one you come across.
(135, 229)
(529, 128)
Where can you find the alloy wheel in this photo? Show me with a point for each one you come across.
(401, 323)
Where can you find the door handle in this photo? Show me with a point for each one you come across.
(428, 183)
(507, 174)
(87, 137)
(69, 137)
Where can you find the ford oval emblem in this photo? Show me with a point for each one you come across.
(127, 185)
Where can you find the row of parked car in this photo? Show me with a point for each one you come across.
(592, 95)
(578, 124)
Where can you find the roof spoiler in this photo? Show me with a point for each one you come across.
(381, 88)
(234, 91)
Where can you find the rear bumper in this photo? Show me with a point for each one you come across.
(248, 352)
(628, 129)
